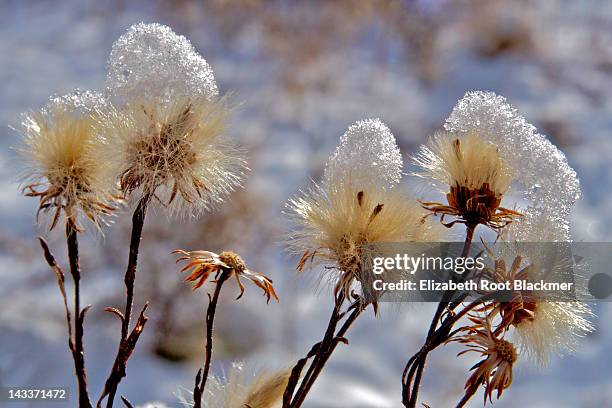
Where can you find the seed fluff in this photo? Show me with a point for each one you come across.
(64, 170)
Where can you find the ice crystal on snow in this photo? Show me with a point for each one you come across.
(535, 226)
(367, 151)
(549, 183)
(151, 61)
(78, 102)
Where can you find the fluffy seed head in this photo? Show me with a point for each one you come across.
(475, 173)
(355, 205)
(464, 160)
(545, 178)
(65, 171)
(176, 152)
(554, 328)
(333, 224)
(236, 390)
(540, 324)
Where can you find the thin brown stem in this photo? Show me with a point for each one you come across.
(118, 370)
(78, 352)
(339, 338)
(289, 398)
(79, 361)
(321, 352)
(198, 391)
(325, 342)
(469, 236)
(130, 274)
(435, 337)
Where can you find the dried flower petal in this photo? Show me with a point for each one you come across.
(204, 264)
(495, 371)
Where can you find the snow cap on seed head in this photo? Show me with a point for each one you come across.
(152, 61)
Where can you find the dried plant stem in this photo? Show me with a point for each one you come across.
(413, 372)
(321, 352)
(126, 402)
(75, 343)
(79, 315)
(202, 375)
(138, 220)
(128, 339)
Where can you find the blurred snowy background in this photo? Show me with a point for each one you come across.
(303, 71)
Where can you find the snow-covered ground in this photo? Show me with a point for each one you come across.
(302, 75)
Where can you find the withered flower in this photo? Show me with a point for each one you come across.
(521, 305)
(203, 264)
(175, 152)
(542, 326)
(65, 172)
(499, 356)
(476, 174)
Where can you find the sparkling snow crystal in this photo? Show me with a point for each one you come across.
(151, 61)
(366, 151)
(78, 102)
(550, 184)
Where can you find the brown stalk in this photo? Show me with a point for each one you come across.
(321, 352)
(126, 402)
(202, 375)
(75, 334)
(128, 339)
(436, 336)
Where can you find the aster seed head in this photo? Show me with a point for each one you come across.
(175, 152)
(476, 175)
(357, 203)
(63, 167)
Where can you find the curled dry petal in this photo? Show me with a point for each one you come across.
(204, 264)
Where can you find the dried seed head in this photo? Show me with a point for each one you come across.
(553, 328)
(65, 171)
(233, 261)
(166, 140)
(238, 390)
(475, 174)
(505, 351)
(355, 205)
(266, 390)
(543, 173)
(540, 325)
(176, 152)
(466, 160)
